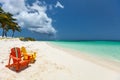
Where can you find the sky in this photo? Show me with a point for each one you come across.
(66, 19)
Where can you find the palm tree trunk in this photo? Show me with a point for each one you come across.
(3, 26)
(13, 33)
(3, 32)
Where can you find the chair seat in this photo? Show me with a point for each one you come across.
(17, 62)
(32, 55)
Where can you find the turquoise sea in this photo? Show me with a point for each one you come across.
(104, 49)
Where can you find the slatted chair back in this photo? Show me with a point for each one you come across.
(16, 53)
(23, 50)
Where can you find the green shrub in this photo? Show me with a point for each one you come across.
(27, 39)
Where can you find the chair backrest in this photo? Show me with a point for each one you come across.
(16, 53)
(23, 50)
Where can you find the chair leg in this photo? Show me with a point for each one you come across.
(17, 67)
(9, 63)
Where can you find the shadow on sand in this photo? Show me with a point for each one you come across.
(21, 69)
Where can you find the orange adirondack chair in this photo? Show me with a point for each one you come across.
(26, 54)
(17, 61)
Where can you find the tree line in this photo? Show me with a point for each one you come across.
(7, 22)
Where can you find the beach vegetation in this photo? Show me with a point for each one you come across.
(7, 22)
(26, 39)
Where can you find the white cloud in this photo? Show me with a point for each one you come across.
(13, 7)
(32, 17)
(58, 4)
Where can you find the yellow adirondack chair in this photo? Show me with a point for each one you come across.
(26, 55)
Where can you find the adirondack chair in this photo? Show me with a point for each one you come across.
(26, 54)
(17, 61)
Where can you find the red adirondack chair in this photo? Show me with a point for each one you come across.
(17, 61)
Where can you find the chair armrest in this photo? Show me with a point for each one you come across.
(18, 59)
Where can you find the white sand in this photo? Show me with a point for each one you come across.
(52, 64)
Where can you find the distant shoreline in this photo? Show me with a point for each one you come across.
(79, 40)
(95, 59)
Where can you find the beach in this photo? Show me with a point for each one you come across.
(53, 63)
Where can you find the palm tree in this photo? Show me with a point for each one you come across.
(14, 27)
(3, 20)
(1, 10)
(6, 19)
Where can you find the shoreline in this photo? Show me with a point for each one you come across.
(52, 63)
(95, 59)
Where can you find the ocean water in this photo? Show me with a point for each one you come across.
(104, 49)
